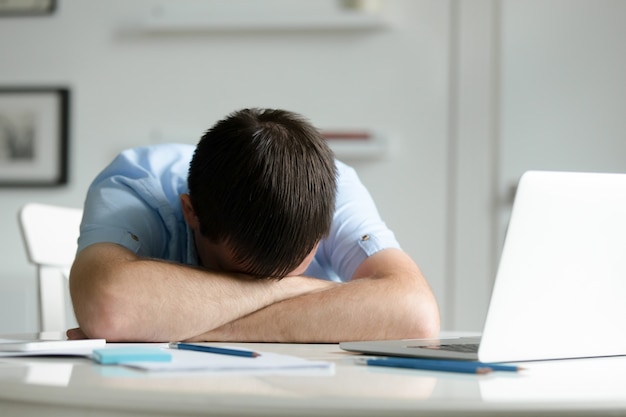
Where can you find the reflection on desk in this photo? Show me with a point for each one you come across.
(75, 386)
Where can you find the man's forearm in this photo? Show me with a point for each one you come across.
(358, 310)
(388, 306)
(120, 297)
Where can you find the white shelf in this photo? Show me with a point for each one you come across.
(374, 147)
(344, 21)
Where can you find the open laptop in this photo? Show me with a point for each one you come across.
(560, 289)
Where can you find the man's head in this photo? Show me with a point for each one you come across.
(262, 188)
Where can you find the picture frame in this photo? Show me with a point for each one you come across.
(27, 8)
(34, 136)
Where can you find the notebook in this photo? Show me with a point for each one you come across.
(46, 344)
(560, 288)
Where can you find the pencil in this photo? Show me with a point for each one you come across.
(441, 365)
(213, 349)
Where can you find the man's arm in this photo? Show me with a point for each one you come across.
(387, 298)
(122, 297)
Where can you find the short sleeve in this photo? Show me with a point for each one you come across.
(357, 230)
(117, 214)
(134, 202)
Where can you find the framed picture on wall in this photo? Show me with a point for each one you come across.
(34, 136)
(10, 8)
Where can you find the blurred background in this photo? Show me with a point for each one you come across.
(459, 97)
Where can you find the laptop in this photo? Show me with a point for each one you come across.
(560, 288)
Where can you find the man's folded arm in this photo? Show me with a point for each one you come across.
(387, 298)
(122, 297)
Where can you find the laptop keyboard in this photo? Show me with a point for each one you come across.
(457, 347)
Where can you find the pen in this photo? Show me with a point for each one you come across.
(213, 349)
(441, 365)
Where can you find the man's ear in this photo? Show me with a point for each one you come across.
(189, 212)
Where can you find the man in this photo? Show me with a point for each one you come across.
(256, 235)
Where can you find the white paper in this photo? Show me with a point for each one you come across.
(185, 360)
(16, 347)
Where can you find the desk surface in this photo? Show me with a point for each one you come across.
(76, 386)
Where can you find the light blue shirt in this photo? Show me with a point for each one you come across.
(134, 202)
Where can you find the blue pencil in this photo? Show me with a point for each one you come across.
(441, 365)
(213, 349)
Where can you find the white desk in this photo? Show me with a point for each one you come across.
(77, 387)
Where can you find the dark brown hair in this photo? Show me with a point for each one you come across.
(263, 181)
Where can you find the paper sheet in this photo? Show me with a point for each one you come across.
(22, 347)
(184, 360)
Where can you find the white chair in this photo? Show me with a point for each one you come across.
(50, 234)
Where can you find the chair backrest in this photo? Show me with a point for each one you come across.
(50, 235)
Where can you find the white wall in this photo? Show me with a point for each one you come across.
(128, 88)
(577, 70)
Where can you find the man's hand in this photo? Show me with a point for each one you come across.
(75, 334)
